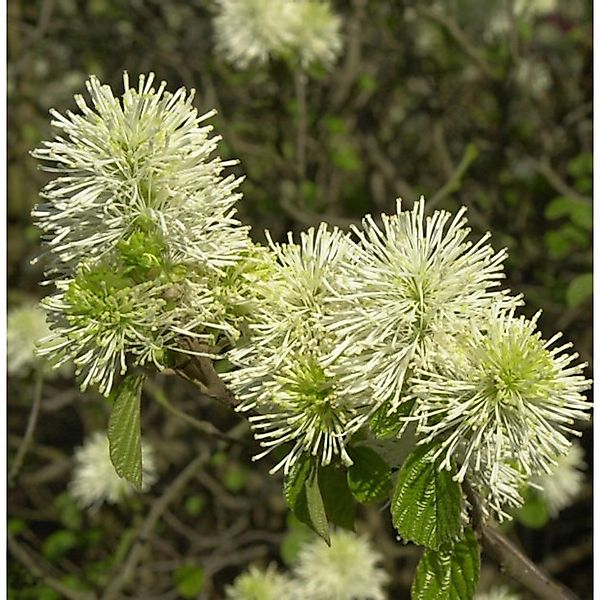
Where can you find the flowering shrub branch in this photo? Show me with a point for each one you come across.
(396, 331)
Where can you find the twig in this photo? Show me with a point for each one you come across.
(202, 426)
(511, 560)
(351, 67)
(113, 591)
(200, 371)
(458, 36)
(561, 561)
(543, 168)
(301, 137)
(469, 155)
(33, 566)
(31, 423)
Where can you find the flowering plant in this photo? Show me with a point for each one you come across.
(395, 332)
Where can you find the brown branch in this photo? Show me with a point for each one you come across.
(510, 559)
(200, 371)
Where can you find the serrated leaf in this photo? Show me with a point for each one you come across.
(316, 507)
(337, 499)
(369, 477)
(293, 484)
(427, 503)
(580, 289)
(451, 574)
(124, 433)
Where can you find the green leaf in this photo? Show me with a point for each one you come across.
(427, 503)
(189, 580)
(124, 433)
(316, 507)
(293, 484)
(305, 504)
(580, 289)
(337, 499)
(534, 512)
(57, 544)
(369, 478)
(452, 574)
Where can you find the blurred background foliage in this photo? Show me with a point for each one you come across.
(486, 104)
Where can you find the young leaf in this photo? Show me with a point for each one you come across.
(124, 434)
(316, 507)
(450, 574)
(293, 483)
(427, 503)
(369, 478)
(337, 499)
(303, 496)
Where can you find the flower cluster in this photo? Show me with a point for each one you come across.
(415, 282)
(501, 404)
(282, 373)
(409, 322)
(94, 478)
(348, 569)
(255, 584)
(140, 234)
(251, 31)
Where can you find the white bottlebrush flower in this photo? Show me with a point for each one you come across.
(95, 480)
(501, 403)
(256, 584)
(251, 31)
(140, 233)
(317, 34)
(347, 570)
(140, 161)
(280, 373)
(416, 282)
(498, 593)
(560, 486)
(25, 327)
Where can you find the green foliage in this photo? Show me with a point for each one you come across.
(580, 289)
(319, 495)
(124, 430)
(427, 503)
(448, 574)
(369, 478)
(534, 512)
(57, 544)
(315, 505)
(337, 499)
(189, 580)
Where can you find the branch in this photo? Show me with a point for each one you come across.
(469, 155)
(33, 566)
(458, 36)
(200, 371)
(31, 423)
(510, 559)
(553, 178)
(204, 427)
